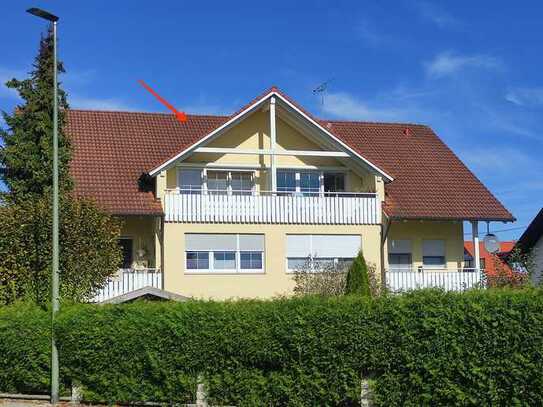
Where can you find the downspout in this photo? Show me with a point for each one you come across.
(384, 235)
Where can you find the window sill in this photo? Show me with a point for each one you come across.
(224, 272)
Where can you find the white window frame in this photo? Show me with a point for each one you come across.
(312, 257)
(298, 171)
(229, 171)
(237, 254)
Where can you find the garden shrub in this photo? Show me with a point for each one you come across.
(421, 348)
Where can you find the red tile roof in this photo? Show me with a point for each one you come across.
(112, 149)
(491, 260)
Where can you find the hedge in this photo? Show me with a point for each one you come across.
(423, 348)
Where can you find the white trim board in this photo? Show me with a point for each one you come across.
(251, 109)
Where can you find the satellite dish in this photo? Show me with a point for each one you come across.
(491, 243)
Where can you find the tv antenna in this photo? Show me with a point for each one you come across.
(322, 89)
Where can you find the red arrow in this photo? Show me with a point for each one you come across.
(181, 116)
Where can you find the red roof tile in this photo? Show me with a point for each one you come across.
(112, 149)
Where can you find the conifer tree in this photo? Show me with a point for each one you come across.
(357, 278)
(26, 145)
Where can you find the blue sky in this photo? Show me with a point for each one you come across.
(471, 70)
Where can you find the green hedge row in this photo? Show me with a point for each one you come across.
(424, 348)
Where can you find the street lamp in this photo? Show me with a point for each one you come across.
(55, 277)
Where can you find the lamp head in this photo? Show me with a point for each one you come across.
(38, 12)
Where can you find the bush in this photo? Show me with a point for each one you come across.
(25, 349)
(421, 348)
(358, 281)
(319, 278)
(88, 245)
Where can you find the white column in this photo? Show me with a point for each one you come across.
(476, 256)
(273, 139)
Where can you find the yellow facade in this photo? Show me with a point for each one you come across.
(452, 233)
(275, 280)
(253, 133)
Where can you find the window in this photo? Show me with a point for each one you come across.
(215, 182)
(321, 250)
(241, 183)
(334, 182)
(224, 260)
(399, 255)
(310, 183)
(433, 253)
(127, 251)
(197, 260)
(251, 260)
(190, 181)
(286, 181)
(224, 253)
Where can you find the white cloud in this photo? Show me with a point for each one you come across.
(525, 96)
(436, 15)
(78, 102)
(448, 63)
(368, 33)
(346, 106)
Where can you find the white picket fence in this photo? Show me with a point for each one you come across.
(127, 280)
(446, 279)
(321, 209)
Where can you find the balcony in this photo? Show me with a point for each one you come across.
(128, 280)
(400, 280)
(338, 208)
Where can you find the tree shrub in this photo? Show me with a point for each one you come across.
(357, 278)
(421, 348)
(88, 246)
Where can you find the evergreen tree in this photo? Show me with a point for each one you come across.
(26, 145)
(357, 278)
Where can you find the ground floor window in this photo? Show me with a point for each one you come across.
(399, 255)
(433, 254)
(224, 253)
(320, 250)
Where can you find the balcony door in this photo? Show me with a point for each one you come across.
(127, 250)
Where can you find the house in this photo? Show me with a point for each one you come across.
(230, 206)
(532, 241)
(489, 262)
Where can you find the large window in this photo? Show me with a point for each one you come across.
(433, 254)
(224, 253)
(310, 182)
(321, 249)
(215, 182)
(190, 181)
(399, 255)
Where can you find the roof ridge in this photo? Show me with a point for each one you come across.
(146, 113)
(375, 122)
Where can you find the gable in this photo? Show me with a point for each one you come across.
(295, 114)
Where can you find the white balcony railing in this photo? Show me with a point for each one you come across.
(272, 207)
(446, 279)
(127, 280)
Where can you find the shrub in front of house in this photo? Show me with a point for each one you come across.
(422, 348)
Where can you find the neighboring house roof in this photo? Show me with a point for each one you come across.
(112, 149)
(532, 234)
(490, 265)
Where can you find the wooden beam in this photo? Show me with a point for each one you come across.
(273, 142)
(226, 150)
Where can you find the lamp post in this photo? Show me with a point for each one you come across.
(55, 277)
